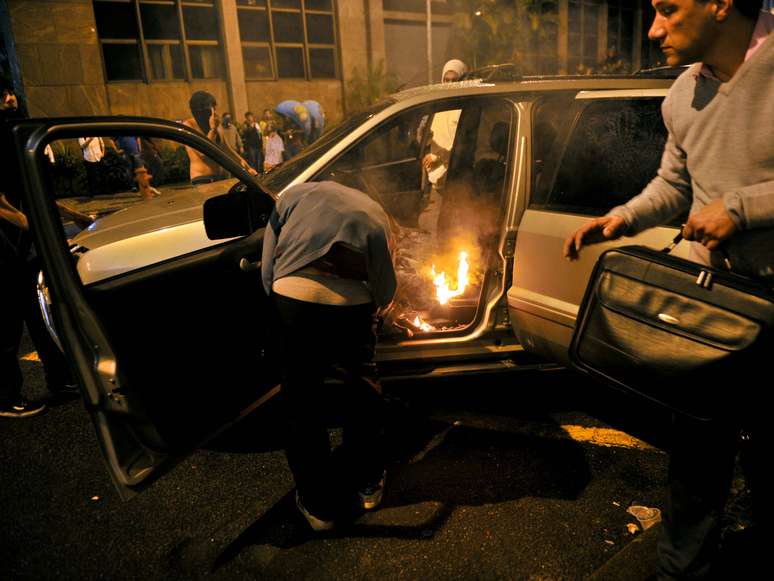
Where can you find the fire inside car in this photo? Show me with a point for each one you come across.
(440, 174)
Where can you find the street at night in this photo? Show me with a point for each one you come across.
(494, 479)
(385, 289)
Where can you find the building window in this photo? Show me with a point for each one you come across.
(540, 43)
(583, 17)
(288, 39)
(157, 40)
(620, 34)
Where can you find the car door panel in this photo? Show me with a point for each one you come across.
(168, 354)
(547, 289)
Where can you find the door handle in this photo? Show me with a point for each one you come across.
(247, 266)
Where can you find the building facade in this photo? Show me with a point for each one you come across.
(146, 57)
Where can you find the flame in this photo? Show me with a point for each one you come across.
(443, 282)
(421, 325)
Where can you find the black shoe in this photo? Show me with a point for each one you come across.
(20, 408)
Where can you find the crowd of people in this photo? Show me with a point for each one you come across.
(259, 144)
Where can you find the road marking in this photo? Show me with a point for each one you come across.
(607, 437)
(31, 356)
(596, 436)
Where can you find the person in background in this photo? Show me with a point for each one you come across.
(718, 164)
(274, 150)
(266, 121)
(253, 140)
(443, 129)
(151, 158)
(230, 134)
(293, 145)
(18, 297)
(265, 124)
(128, 147)
(327, 268)
(206, 120)
(93, 149)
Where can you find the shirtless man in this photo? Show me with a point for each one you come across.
(206, 120)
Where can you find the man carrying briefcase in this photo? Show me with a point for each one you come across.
(719, 163)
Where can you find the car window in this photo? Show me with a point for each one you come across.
(128, 202)
(612, 151)
(279, 178)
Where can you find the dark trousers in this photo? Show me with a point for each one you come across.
(18, 305)
(255, 158)
(320, 341)
(94, 179)
(701, 468)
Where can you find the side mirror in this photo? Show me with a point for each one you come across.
(240, 212)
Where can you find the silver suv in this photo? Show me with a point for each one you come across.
(164, 317)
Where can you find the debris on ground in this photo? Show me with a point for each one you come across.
(646, 516)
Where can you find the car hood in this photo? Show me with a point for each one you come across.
(176, 206)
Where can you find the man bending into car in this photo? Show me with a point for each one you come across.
(327, 266)
(718, 163)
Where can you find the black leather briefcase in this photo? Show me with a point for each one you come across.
(694, 338)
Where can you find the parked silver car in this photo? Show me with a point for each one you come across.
(164, 316)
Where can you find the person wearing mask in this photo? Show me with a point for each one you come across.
(718, 164)
(205, 120)
(327, 268)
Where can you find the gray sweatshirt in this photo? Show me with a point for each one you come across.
(310, 218)
(720, 146)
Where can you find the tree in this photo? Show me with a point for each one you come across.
(522, 32)
(364, 90)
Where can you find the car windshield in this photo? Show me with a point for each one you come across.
(285, 173)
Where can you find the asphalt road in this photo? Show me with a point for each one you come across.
(489, 480)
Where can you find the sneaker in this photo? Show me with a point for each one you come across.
(371, 494)
(64, 389)
(20, 408)
(317, 524)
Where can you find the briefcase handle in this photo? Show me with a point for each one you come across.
(677, 239)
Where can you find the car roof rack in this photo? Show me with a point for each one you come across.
(509, 72)
(504, 72)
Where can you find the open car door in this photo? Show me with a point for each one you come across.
(173, 346)
(591, 151)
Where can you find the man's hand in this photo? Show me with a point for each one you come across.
(428, 161)
(593, 232)
(710, 226)
(214, 119)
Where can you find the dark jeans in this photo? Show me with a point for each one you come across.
(338, 341)
(18, 305)
(701, 468)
